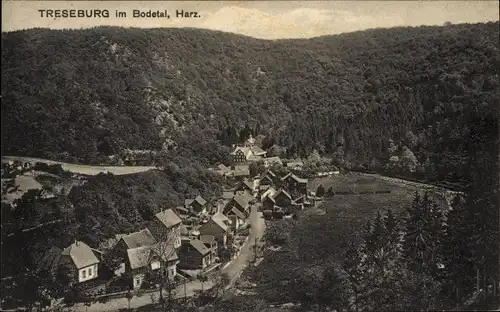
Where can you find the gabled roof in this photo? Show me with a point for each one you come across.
(188, 202)
(241, 173)
(300, 198)
(242, 200)
(207, 239)
(268, 193)
(294, 163)
(165, 250)
(235, 211)
(223, 168)
(282, 191)
(200, 200)
(138, 257)
(199, 246)
(227, 195)
(80, 254)
(245, 150)
(293, 176)
(221, 220)
(139, 239)
(247, 183)
(141, 256)
(273, 160)
(268, 173)
(257, 151)
(168, 217)
(254, 157)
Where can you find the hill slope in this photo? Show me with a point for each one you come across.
(84, 94)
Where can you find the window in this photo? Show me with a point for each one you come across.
(90, 272)
(137, 281)
(84, 274)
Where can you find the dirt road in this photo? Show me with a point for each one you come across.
(83, 169)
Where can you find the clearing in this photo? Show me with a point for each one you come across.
(83, 169)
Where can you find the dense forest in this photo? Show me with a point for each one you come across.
(414, 101)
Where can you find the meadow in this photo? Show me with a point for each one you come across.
(319, 238)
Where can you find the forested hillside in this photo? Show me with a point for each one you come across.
(410, 101)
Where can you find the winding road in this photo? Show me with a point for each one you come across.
(233, 270)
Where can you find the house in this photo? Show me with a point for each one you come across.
(240, 154)
(282, 198)
(271, 161)
(139, 253)
(193, 254)
(182, 212)
(223, 169)
(166, 225)
(243, 154)
(257, 151)
(245, 185)
(241, 201)
(217, 226)
(236, 217)
(268, 177)
(211, 243)
(294, 184)
(198, 204)
(240, 174)
(269, 192)
(268, 202)
(80, 263)
(295, 164)
(227, 195)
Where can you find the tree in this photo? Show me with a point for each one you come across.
(408, 161)
(330, 192)
(202, 278)
(457, 257)
(332, 290)
(162, 254)
(320, 191)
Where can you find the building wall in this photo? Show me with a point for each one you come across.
(239, 157)
(87, 273)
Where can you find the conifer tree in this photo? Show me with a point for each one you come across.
(457, 258)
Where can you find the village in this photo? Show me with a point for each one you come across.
(193, 242)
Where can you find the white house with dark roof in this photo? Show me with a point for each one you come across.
(247, 153)
(80, 261)
(166, 226)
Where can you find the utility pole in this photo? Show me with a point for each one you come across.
(185, 291)
(255, 249)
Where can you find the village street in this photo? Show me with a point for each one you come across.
(233, 270)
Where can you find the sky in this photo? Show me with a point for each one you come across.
(260, 19)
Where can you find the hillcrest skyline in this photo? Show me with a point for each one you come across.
(264, 20)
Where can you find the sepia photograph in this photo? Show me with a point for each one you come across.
(250, 156)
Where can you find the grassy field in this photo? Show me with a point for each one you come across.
(317, 238)
(352, 183)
